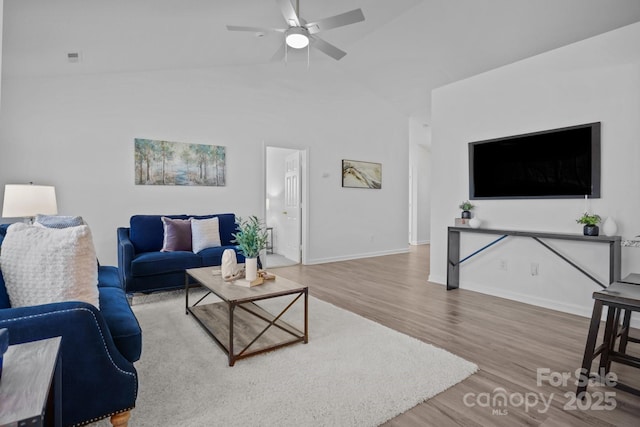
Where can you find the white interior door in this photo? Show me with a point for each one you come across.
(292, 208)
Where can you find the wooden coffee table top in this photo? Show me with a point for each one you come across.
(211, 278)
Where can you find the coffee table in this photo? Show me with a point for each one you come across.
(237, 322)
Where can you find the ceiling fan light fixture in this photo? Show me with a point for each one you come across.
(297, 37)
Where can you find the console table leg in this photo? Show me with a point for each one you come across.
(615, 262)
(453, 259)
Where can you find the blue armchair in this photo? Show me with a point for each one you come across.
(99, 348)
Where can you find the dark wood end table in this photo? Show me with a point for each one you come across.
(31, 386)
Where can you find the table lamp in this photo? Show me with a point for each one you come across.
(28, 200)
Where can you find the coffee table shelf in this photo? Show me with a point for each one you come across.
(215, 318)
(240, 326)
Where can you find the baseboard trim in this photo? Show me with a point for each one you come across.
(438, 280)
(420, 242)
(516, 296)
(528, 299)
(356, 256)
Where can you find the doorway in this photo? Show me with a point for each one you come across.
(284, 206)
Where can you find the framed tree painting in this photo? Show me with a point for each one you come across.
(179, 163)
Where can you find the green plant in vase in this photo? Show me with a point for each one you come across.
(466, 207)
(590, 222)
(251, 238)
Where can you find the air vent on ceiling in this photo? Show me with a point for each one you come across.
(73, 57)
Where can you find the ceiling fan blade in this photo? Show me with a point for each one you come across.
(327, 48)
(289, 13)
(279, 54)
(254, 29)
(336, 21)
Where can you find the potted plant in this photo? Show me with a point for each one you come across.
(251, 239)
(466, 207)
(590, 222)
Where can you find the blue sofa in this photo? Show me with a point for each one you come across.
(144, 268)
(99, 347)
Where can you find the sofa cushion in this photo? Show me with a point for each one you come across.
(177, 234)
(45, 265)
(152, 263)
(123, 325)
(226, 226)
(109, 277)
(147, 233)
(205, 233)
(213, 256)
(58, 221)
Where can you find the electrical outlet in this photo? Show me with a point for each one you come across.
(502, 265)
(535, 268)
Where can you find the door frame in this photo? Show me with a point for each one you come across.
(304, 192)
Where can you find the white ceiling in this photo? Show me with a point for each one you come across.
(403, 49)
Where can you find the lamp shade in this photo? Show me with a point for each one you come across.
(29, 200)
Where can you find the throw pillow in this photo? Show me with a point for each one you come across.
(44, 265)
(58, 221)
(177, 234)
(205, 233)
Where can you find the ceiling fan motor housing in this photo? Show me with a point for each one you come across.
(297, 37)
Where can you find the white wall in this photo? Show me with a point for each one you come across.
(77, 133)
(596, 79)
(420, 177)
(1, 20)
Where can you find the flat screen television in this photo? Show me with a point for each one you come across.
(553, 164)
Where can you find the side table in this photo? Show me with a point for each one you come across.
(31, 386)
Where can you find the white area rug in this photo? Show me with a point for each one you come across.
(353, 372)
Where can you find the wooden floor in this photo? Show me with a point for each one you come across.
(508, 340)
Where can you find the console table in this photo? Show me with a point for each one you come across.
(454, 261)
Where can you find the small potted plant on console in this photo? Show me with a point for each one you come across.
(466, 207)
(590, 222)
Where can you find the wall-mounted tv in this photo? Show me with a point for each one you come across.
(553, 164)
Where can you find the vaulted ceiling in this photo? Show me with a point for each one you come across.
(403, 49)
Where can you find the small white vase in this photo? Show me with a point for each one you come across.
(229, 265)
(474, 222)
(610, 228)
(251, 269)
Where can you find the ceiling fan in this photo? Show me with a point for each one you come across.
(300, 33)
